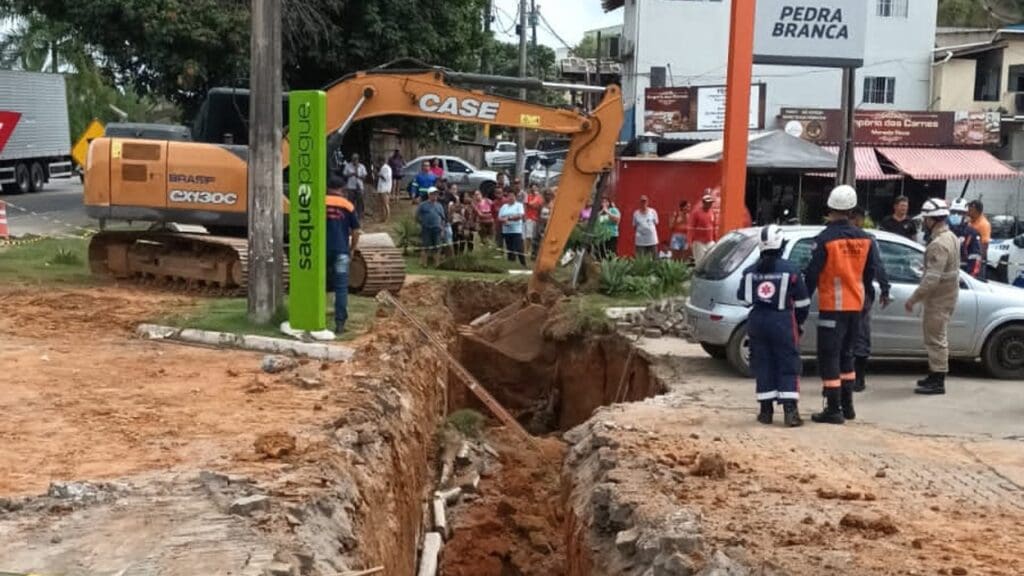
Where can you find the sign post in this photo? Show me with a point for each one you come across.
(307, 190)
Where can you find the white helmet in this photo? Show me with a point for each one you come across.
(935, 208)
(959, 205)
(843, 198)
(771, 237)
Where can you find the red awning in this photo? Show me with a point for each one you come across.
(944, 164)
(868, 167)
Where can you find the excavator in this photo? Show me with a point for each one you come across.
(198, 183)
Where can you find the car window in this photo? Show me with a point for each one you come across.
(800, 253)
(456, 167)
(903, 264)
(726, 256)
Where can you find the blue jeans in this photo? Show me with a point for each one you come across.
(338, 268)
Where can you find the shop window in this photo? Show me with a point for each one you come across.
(893, 8)
(879, 90)
(987, 76)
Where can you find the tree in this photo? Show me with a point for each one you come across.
(587, 47)
(979, 13)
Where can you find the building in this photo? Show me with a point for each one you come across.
(685, 43)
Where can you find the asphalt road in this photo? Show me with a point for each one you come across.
(56, 211)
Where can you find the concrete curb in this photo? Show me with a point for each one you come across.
(318, 351)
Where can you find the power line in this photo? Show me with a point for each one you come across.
(548, 27)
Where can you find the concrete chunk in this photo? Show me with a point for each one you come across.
(625, 541)
(250, 504)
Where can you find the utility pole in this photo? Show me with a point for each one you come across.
(533, 25)
(846, 174)
(266, 227)
(597, 67)
(521, 140)
(483, 131)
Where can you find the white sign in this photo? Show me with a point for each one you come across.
(829, 33)
(711, 107)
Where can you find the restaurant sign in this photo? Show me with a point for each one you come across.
(894, 128)
(695, 108)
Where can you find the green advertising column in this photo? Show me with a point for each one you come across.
(307, 189)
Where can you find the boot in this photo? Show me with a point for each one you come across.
(792, 414)
(926, 381)
(846, 399)
(936, 386)
(861, 367)
(832, 414)
(767, 412)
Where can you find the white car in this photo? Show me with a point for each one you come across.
(504, 154)
(456, 171)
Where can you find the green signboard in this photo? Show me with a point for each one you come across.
(307, 189)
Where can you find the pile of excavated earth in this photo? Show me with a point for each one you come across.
(123, 456)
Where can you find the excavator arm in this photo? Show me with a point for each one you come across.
(430, 94)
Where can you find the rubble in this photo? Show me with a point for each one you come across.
(663, 318)
(275, 363)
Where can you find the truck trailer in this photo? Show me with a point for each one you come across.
(35, 136)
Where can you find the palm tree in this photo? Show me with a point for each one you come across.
(38, 44)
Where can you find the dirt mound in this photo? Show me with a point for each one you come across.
(274, 444)
(516, 525)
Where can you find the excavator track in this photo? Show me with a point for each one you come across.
(217, 265)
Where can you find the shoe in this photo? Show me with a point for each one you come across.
(832, 414)
(936, 387)
(846, 399)
(861, 367)
(792, 414)
(926, 381)
(767, 412)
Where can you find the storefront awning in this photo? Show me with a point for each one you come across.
(947, 164)
(868, 168)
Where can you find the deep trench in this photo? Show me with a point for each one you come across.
(572, 376)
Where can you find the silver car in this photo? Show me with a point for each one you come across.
(988, 322)
(457, 171)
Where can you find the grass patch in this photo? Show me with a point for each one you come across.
(52, 260)
(469, 422)
(231, 315)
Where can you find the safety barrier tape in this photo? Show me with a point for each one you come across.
(52, 220)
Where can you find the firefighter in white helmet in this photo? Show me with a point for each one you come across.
(938, 291)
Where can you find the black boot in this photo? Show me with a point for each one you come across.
(936, 385)
(792, 414)
(832, 414)
(767, 412)
(861, 367)
(846, 399)
(926, 381)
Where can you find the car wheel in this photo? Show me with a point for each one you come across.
(716, 351)
(38, 177)
(738, 351)
(1004, 353)
(487, 188)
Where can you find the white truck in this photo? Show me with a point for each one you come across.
(35, 137)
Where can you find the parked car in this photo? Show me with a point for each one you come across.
(504, 154)
(457, 171)
(987, 323)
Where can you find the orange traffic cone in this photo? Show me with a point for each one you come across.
(4, 233)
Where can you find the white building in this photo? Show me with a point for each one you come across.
(690, 40)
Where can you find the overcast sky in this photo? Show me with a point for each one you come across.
(569, 18)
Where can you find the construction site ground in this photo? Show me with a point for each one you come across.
(120, 456)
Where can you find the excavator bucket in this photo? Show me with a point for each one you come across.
(514, 332)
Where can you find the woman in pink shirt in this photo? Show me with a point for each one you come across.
(484, 215)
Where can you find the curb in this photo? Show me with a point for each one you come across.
(317, 351)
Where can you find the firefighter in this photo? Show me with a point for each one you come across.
(843, 262)
(938, 291)
(862, 345)
(971, 259)
(775, 289)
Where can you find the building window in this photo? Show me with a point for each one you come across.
(1016, 78)
(893, 8)
(988, 73)
(879, 90)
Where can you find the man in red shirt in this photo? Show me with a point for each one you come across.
(534, 202)
(702, 228)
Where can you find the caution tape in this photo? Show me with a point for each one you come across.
(15, 242)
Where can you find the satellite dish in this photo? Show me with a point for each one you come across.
(1007, 11)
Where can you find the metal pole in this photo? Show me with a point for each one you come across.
(597, 67)
(266, 225)
(483, 130)
(521, 139)
(533, 26)
(846, 173)
(737, 114)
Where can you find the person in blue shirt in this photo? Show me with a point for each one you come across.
(342, 239)
(511, 216)
(422, 182)
(775, 290)
(432, 218)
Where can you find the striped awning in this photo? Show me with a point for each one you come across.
(945, 164)
(868, 167)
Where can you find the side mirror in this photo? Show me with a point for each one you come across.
(1019, 241)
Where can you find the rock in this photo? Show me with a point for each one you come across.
(710, 466)
(77, 491)
(653, 333)
(625, 541)
(673, 565)
(57, 539)
(274, 364)
(881, 473)
(917, 544)
(872, 522)
(958, 571)
(307, 383)
(250, 504)
(723, 565)
(274, 444)
(279, 569)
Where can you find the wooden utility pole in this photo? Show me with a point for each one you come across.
(266, 225)
(737, 114)
(521, 140)
(534, 17)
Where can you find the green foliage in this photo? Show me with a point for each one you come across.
(581, 238)
(469, 422)
(407, 234)
(33, 262)
(973, 13)
(66, 257)
(643, 277)
(482, 259)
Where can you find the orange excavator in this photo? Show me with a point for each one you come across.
(206, 183)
